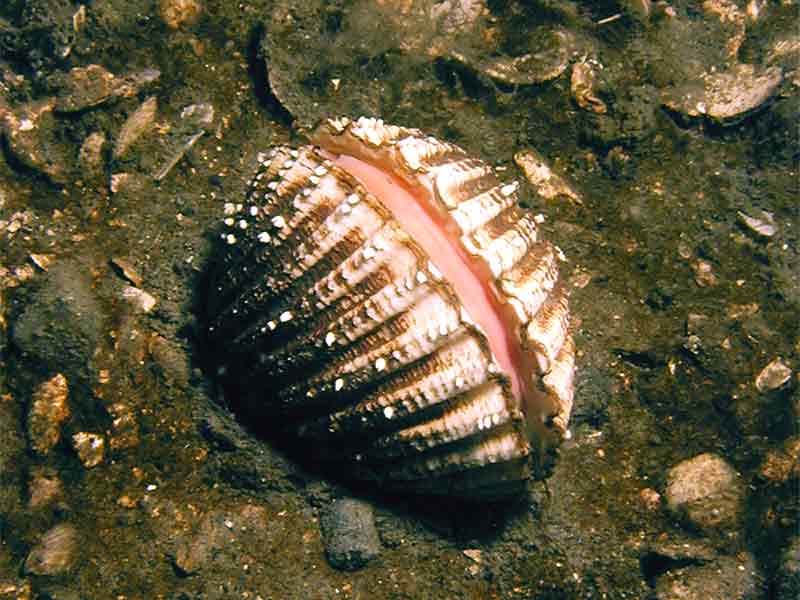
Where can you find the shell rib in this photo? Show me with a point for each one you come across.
(346, 320)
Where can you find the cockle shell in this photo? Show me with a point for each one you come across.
(383, 297)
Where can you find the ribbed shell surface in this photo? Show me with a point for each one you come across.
(335, 324)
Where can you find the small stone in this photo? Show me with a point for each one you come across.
(650, 498)
(55, 553)
(90, 448)
(125, 501)
(349, 534)
(476, 556)
(763, 226)
(773, 376)
(205, 545)
(473, 554)
(781, 465)
(140, 300)
(127, 270)
(706, 491)
(176, 13)
(727, 96)
(48, 411)
(198, 116)
(42, 261)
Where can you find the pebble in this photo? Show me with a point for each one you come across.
(729, 96)
(140, 300)
(55, 553)
(349, 534)
(90, 448)
(773, 376)
(176, 13)
(650, 499)
(127, 270)
(705, 491)
(727, 578)
(763, 226)
(60, 326)
(782, 464)
(48, 411)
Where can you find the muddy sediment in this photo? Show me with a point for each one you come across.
(658, 142)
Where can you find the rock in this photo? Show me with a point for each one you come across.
(724, 579)
(349, 534)
(90, 448)
(727, 97)
(60, 326)
(650, 499)
(48, 411)
(126, 268)
(219, 539)
(55, 553)
(788, 578)
(176, 13)
(707, 492)
(773, 376)
(762, 226)
(139, 300)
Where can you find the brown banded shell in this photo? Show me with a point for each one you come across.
(335, 321)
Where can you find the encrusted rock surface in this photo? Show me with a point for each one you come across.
(349, 534)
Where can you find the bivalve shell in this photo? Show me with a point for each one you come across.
(382, 297)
